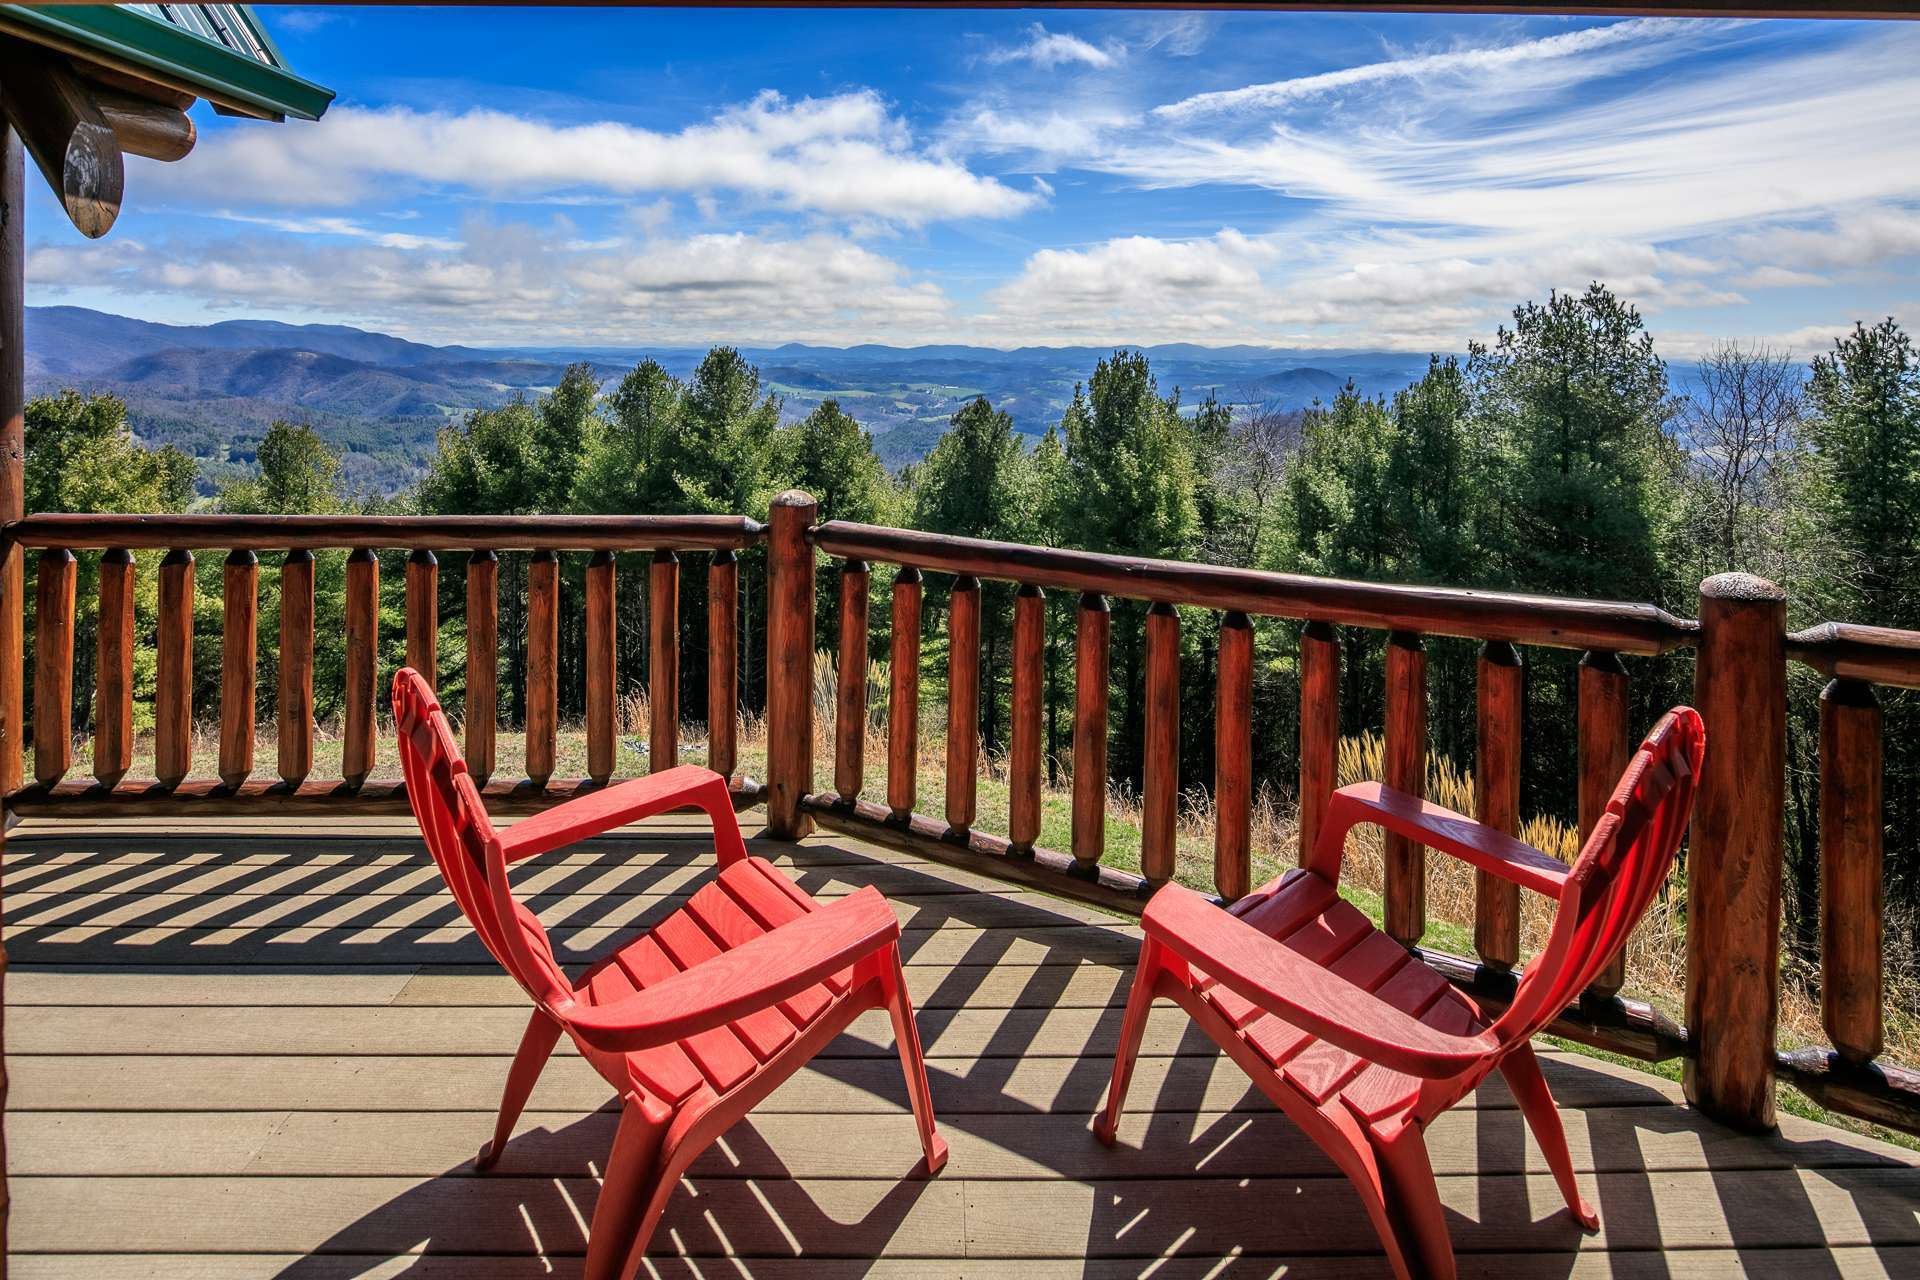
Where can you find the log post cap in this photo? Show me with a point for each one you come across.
(794, 498)
(1741, 587)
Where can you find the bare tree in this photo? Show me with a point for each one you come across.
(1262, 439)
(1741, 418)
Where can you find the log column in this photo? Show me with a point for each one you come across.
(13, 378)
(789, 664)
(53, 665)
(1735, 855)
(1852, 760)
(1093, 630)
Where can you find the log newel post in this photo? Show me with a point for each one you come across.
(850, 692)
(1500, 699)
(1852, 877)
(789, 664)
(1160, 809)
(1735, 852)
(1093, 629)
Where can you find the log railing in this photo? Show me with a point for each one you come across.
(289, 542)
(1733, 866)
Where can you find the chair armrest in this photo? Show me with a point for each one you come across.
(1439, 827)
(752, 976)
(615, 806)
(1310, 996)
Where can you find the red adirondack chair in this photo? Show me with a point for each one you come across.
(693, 1022)
(1360, 1042)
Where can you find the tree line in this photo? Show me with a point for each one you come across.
(1557, 458)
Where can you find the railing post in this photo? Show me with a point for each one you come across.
(1233, 760)
(663, 662)
(543, 664)
(850, 694)
(1499, 702)
(1406, 861)
(1604, 752)
(602, 688)
(361, 694)
(296, 667)
(1319, 728)
(239, 661)
(903, 694)
(1160, 808)
(113, 690)
(1025, 763)
(483, 660)
(53, 665)
(723, 661)
(1734, 861)
(1852, 875)
(963, 703)
(789, 664)
(1093, 626)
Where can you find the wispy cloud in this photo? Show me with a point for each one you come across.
(1049, 49)
(346, 228)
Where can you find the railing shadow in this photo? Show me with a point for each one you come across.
(1205, 1168)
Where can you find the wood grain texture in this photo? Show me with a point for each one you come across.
(1604, 751)
(1852, 870)
(850, 688)
(1878, 655)
(173, 678)
(447, 533)
(1734, 854)
(55, 578)
(1026, 761)
(1500, 702)
(362, 682)
(543, 664)
(423, 615)
(601, 691)
(723, 661)
(239, 663)
(1233, 760)
(663, 661)
(790, 623)
(113, 670)
(903, 695)
(1319, 727)
(296, 667)
(1406, 766)
(483, 662)
(13, 561)
(1160, 799)
(1480, 615)
(1093, 626)
(963, 703)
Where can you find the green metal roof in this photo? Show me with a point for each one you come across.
(219, 52)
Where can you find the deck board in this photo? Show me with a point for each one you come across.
(273, 1056)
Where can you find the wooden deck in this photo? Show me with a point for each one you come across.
(237, 1054)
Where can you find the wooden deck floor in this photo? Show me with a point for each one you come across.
(274, 1056)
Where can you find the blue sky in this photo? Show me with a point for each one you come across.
(1003, 178)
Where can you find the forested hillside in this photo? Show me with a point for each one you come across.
(1550, 460)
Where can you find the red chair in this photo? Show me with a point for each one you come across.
(695, 1021)
(1363, 1044)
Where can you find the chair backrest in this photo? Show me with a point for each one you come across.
(454, 824)
(1619, 871)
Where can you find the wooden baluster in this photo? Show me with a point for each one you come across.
(1319, 728)
(423, 615)
(1496, 791)
(963, 703)
(363, 660)
(1406, 862)
(663, 664)
(543, 666)
(723, 661)
(903, 702)
(1852, 993)
(789, 663)
(53, 665)
(483, 662)
(1092, 632)
(1735, 852)
(1604, 752)
(113, 690)
(850, 693)
(1233, 760)
(601, 691)
(1026, 759)
(1160, 809)
(173, 687)
(239, 660)
(296, 667)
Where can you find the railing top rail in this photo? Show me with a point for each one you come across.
(1479, 615)
(1849, 651)
(435, 533)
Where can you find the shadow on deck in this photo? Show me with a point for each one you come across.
(273, 1055)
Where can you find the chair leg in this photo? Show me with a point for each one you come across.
(1146, 975)
(1522, 1071)
(632, 1177)
(912, 1062)
(536, 1044)
(1413, 1209)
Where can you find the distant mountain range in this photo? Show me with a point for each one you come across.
(213, 389)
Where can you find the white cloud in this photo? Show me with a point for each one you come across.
(845, 155)
(344, 227)
(1049, 49)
